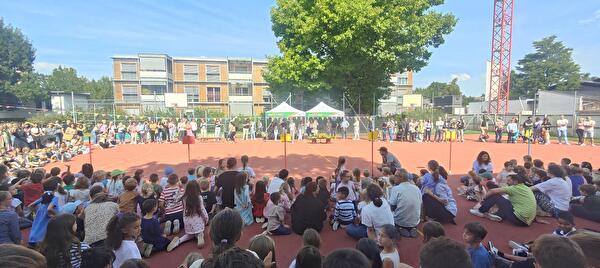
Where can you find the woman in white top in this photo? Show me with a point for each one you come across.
(373, 216)
(558, 189)
(483, 163)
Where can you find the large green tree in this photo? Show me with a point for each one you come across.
(101, 88)
(352, 46)
(16, 56)
(438, 89)
(66, 79)
(550, 66)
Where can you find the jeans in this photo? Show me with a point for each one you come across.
(357, 231)
(579, 132)
(460, 135)
(427, 135)
(562, 134)
(281, 230)
(505, 209)
(439, 135)
(499, 135)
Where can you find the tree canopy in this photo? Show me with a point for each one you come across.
(16, 56)
(438, 89)
(352, 46)
(550, 66)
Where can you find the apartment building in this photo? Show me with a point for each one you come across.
(233, 86)
(401, 97)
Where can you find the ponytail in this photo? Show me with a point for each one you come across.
(114, 233)
(225, 230)
(434, 166)
(375, 193)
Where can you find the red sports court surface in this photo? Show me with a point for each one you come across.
(305, 159)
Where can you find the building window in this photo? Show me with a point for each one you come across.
(403, 81)
(213, 73)
(240, 67)
(153, 64)
(190, 72)
(240, 89)
(267, 99)
(193, 95)
(152, 87)
(213, 94)
(130, 94)
(128, 71)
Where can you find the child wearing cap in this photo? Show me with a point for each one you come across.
(165, 180)
(115, 184)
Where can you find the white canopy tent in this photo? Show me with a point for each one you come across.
(284, 110)
(324, 110)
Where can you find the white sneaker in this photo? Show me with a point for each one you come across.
(148, 250)
(477, 213)
(175, 226)
(167, 230)
(335, 226)
(493, 217)
(265, 225)
(200, 238)
(517, 246)
(174, 243)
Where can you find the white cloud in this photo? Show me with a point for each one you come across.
(593, 19)
(45, 67)
(460, 77)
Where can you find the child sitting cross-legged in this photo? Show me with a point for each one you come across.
(152, 234)
(345, 212)
(276, 217)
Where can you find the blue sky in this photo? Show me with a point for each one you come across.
(85, 34)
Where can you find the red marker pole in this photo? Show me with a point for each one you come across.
(285, 149)
(90, 148)
(372, 152)
(450, 157)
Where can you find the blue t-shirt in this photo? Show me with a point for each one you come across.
(40, 223)
(576, 181)
(480, 257)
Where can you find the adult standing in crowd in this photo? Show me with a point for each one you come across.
(588, 127)
(561, 129)
(226, 181)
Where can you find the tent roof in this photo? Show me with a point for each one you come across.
(285, 110)
(324, 110)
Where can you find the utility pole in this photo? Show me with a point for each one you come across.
(73, 106)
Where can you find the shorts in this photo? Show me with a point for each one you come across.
(589, 133)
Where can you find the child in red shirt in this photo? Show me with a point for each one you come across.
(32, 191)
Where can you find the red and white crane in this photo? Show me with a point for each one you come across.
(501, 52)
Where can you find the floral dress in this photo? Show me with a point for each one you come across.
(243, 205)
(194, 224)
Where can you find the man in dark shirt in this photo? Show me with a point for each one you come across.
(226, 181)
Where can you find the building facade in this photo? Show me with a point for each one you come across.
(402, 85)
(224, 85)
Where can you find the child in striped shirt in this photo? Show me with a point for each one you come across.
(344, 212)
